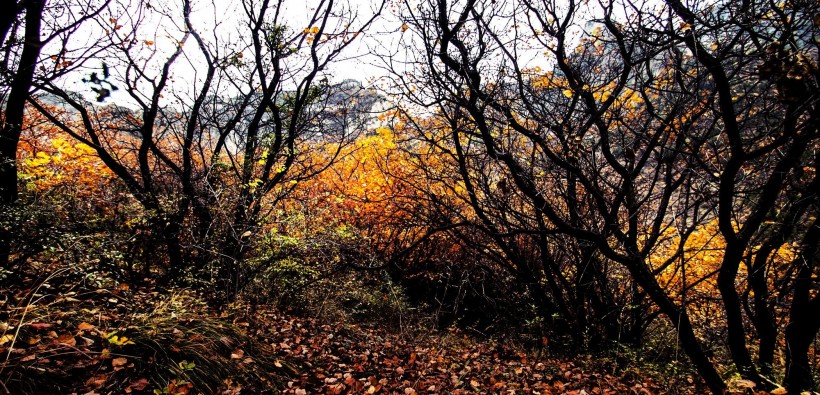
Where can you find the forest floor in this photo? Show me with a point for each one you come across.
(79, 333)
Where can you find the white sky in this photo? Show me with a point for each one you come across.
(360, 61)
(222, 23)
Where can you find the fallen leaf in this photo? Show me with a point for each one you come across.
(140, 384)
(97, 381)
(40, 325)
(6, 338)
(745, 384)
(67, 339)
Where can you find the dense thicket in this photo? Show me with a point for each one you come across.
(647, 123)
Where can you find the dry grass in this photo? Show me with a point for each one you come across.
(76, 332)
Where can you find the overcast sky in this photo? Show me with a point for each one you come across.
(220, 19)
(363, 60)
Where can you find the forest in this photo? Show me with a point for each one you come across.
(410, 197)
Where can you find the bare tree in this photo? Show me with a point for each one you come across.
(219, 151)
(763, 61)
(642, 125)
(38, 43)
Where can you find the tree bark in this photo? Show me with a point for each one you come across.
(804, 320)
(13, 116)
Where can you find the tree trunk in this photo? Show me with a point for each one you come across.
(804, 320)
(13, 123)
(170, 232)
(763, 319)
(736, 338)
(678, 317)
(800, 334)
(229, 271)
(7, 19)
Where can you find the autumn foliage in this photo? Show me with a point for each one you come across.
(632, 184)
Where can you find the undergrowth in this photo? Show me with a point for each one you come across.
(75, 331)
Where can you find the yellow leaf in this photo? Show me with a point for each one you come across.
(118, 340)
(5, 339)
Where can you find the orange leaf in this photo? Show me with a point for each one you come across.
(140, 384)
(97, 381)
(67, 339)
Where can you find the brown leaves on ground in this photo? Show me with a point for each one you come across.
(350, 359)
(73, 338)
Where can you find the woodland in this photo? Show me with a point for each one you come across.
(528, 196)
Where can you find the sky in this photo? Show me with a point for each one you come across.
(158, 30)
(363, 60)
(358, 61)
